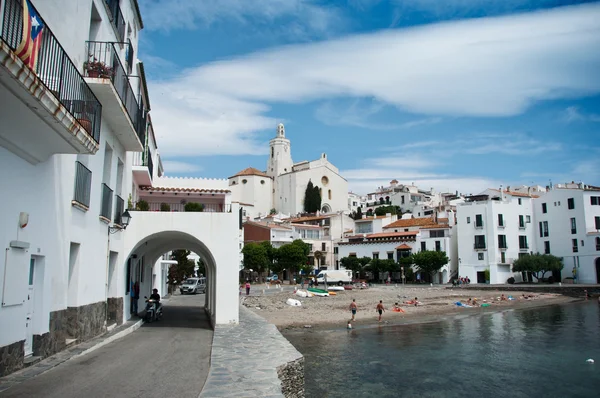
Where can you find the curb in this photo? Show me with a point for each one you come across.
(110, 339)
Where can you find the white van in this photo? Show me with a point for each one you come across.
(339, 277)
(193, 286)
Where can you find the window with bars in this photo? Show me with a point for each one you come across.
(478, 221)
(523, 242)
(573, 225)
(575, 245)
(479, 242)
(502, 242)
(501, 220)
(521, 221)
(547, 247)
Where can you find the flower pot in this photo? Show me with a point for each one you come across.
(92, 73)
(86, 124)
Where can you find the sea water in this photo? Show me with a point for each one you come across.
(516, 353)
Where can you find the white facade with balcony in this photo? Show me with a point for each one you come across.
(493, 229)
(568, 226)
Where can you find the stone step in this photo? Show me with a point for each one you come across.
(31, 360)
(70, 342)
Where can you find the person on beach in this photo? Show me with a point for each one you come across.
(353, 308)
(349, 325)
(503, 297)
(380, 308)
(247, 288)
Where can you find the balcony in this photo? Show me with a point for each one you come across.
(523, 248)
(106, 205)
(109, 81)
(143, 169)
(47, 107)
(179, 207)
(478, 225)
(479, 246)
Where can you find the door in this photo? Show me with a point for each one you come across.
(29, 311)
(598, 270)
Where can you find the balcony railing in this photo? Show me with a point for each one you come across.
(119, 209)
(178, 207)
(83, 184)
(117, 18)
(144, 159)
(103, 62)
(55, 70)
(479, 246)
(106, 206)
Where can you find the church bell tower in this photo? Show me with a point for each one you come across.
(280, 154)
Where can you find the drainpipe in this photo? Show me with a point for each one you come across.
(106, 279)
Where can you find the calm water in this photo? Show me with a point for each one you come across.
(523, 353)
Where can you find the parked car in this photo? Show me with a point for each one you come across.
(272, 278)
(193, 286)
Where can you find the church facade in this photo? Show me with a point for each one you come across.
(282, 185)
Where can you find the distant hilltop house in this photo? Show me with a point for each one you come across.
(283, 184)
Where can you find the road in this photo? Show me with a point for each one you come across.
(169, 358)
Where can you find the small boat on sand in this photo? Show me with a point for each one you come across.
(318, 292)
(336, 288)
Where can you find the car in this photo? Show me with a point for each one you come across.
(193, 286)
(272, 278)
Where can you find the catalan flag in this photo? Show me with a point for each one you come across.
(33, 26)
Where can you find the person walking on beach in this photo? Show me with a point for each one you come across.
(380, 308)
(247, 288)
(353, 308)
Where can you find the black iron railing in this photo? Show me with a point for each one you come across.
(55, 70)
(179, 207)
(119, 209)
(83, 184)
(106, 206)
(141, 124)
(103, 62)
(150, 164)
(117, 18)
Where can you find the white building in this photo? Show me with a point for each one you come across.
(355, 201)
(494, 228)
(567, 221)
(283, 185)
(71, 131)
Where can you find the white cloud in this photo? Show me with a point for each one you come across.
(174, 166)
(484, 67)
(464, 185)
(573, 114)
(307, 18)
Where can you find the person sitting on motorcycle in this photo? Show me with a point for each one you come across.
(155, 296)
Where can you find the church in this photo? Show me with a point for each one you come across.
(282, 185)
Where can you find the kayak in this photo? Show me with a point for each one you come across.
(318, 292)
(332, 293)
(336, 288)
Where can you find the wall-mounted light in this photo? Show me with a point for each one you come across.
(125, 219)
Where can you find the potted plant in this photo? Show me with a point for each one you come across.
(84, 111)
(165, 207)
(192, 206)
(142, 205)
(97, 69)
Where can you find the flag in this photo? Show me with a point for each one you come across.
(33, 26)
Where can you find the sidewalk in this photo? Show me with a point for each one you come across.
(51, 362)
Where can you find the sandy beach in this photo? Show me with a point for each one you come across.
(435, 303)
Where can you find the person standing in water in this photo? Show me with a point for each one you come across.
(380, 308)
(353, 308)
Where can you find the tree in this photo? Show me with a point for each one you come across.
(312, 198)
(318, 256)
(352, 263)
(292, 256)
(317, 198)
(256, 257)
(429, 262)
(406, 265)
(357, 215)
(193, 206)
(383, 210)
(201, 271)
(538, 264)
(273, 211)
(183, 269)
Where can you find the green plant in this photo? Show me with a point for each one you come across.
(538, 264)
(96, 68)
(273, 211)
(165, 207)
(487, 274)
(129, 203)
(194, 207)
(142, 205)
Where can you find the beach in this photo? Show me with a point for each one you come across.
(434, 303)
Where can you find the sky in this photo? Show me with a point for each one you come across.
(455, 95)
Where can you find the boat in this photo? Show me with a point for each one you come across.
(318, 292)
(332, 293)
(336, 288)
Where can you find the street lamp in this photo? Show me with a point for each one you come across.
(125, 219)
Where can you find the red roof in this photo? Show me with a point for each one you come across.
(391, 234)
(172, 189)
(403, 246)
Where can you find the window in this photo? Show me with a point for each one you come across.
(502, 257)
(352, 255)
(423, 246)
(502, 241)
(523, 242)
(575, 247)
(527, 219)
(390, 255)
(364, 227)
(375, 255)
(573, 226)
(545, 230)
(438, 246)
(597, 244)
(520, 201)
(595, 200)
(323, 247)
(83, 184)
(521, 221)
(262, 182)
(541, 229)
(571, 203)
(436, 233)
(244, 181)
(544, 208)
(272, 152)
(310, 248)
(336, 250)
(479, 241)
(500, 220)
(597, 222)
(468, 220)
(478, 221)
(480, 256)
(547, 247)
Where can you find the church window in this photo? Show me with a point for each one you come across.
(244, 181)
(329, 194)
(324, 180)
(232, 182)
(272, 152)
(262, 182)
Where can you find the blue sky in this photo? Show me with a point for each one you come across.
(451, 94)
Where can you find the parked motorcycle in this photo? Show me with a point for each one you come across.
(154, 310)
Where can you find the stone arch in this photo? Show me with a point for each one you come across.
(325, 208)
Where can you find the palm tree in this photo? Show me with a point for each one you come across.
(318, 256)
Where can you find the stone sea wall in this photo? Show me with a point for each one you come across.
(566, 290)
(292, 378)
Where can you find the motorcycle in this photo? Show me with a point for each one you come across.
(154, 310)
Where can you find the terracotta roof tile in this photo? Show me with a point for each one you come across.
(435, 226)
(518, 194)
(307, 218)
(172, 189)
(370, 218)
(411, 222)
(403, 246)
(250, 171)
(266, 225)
(391, 234)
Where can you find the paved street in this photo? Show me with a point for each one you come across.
(169, 358)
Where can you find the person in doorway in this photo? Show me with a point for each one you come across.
(380, 308)
(135, 296)
(353, 308)
(247, 288)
